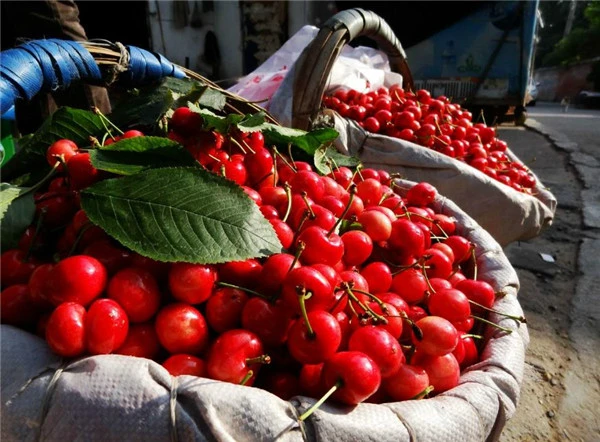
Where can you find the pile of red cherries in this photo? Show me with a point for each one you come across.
(373, 297)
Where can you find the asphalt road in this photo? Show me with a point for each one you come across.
(561, 387)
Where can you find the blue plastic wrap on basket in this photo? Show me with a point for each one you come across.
(46, 65)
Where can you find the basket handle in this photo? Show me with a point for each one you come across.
(45, 65)
(319, 56)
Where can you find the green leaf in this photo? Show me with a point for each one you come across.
(181, 214)
(210, 98)
(16, 213)
(327, 158)
(214, 121)
(74, 124)
(132, 155)
(144, 107)
(253, 123)
(307, 141)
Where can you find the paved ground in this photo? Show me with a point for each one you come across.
(560, 396)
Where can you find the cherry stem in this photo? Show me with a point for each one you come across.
(262, 359)
(415, 328)
(284, 159)
(424, 393)
(368, 310)
(404, 268)
(80, 234)
(474, 263)
(506, 315)
(431, 289)
(310, 210)
(437, 223)
(409, 214)
(49, 175)
(94, 141)
(289, 148)
(38, 226)
(104, 119)
(470, 335)
(299, 249)
(238, 144)
(374, 298)
(301, 299)
(247, 146)
(247, 377)
(352, 191)
(301, 223)
(288, 194)
(485, 321)
(233, 286)
(320, 402)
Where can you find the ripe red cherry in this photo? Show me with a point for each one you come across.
(79, 278)
(378, 276)
(438, 336)
(136, 290)
(185, 121)
(14, 269)
(319, 346)
(358, 246)
(380, 346)
(65, 330)
(305, 280)
(411, 285)
(450, 304)
(322, 247)
(192, 283)
(421, 194)
(224, 309)
(181, 364)
(376, 224)
(61, 148)
(233, 355)
(269, 321)
(407, 238)
(407, 383)
(141, 341)
(81, 172)
(16, 307)
(356, 375)
(106, 327)
(181, 329)
(479, 291)
(443, 371)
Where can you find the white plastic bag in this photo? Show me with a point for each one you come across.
(358, 68)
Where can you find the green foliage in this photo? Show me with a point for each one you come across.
(181, 214)
(581, 44)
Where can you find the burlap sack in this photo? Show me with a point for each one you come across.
(120, 398)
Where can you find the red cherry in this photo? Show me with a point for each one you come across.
(181, 329)
(356, 375)
(106, 327)
(65, 330)
(269, 321)
(318, 346)
(443, 371)
(79, 278)
(358, 246)
(233, 355)
(192, 283)
(141, 341)
(438, 336)
(224, 309)
(380, 346)
(407, 383)
(81, 172)
(181, 364)
(16, 307)
(411, 285)
(61, 148)
(14, 269)
(136, 290)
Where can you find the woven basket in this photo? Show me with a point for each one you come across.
(507, 214)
